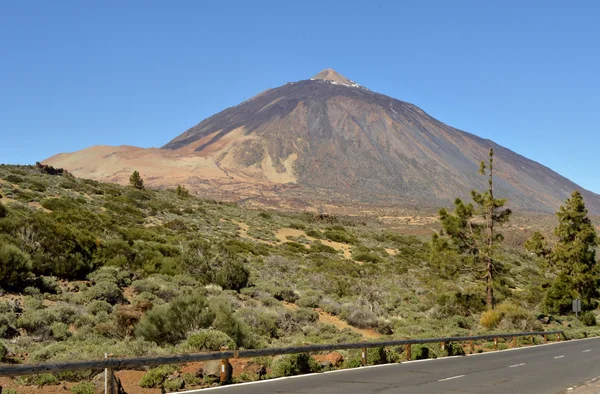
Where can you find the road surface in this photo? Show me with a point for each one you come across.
(551, 368)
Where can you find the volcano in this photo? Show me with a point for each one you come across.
(329, 138)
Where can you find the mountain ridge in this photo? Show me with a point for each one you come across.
(330, 133)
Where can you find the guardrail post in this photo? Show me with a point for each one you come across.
(472, 345)
(226, 370)
(545, 338)
(363, 356)
(408, 353)
(514, 344)
(495, 343)
(558, 337)
(443, 348)
(109, 378)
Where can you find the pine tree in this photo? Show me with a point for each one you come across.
(574, 255)
(182, 191)
(472, 230)
(136, 181)
(538, 245)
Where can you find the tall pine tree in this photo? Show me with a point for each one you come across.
(573, 258)
(471, 228)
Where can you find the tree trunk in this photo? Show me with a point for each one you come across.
(490, 288)
(490, 262)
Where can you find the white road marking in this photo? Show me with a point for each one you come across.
(585, 351)
(516, 365)
(559, 357)
(453, 377)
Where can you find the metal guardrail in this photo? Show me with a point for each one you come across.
(110, 364)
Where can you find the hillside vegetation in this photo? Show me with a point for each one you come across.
(88, 268)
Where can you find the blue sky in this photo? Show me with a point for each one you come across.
(81, 73)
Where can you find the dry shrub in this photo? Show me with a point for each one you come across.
(490, 319)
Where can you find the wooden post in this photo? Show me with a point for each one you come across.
(532, 340)
(109, 378)
(558, 337)
(443, 348)
(408, 353)
(472, 345)
(545, 338)
(514, 344)
(495, 343)
(363, 356)
(226, 369)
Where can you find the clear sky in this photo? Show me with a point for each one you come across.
(525, 74)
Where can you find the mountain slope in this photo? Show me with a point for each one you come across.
(330, 135)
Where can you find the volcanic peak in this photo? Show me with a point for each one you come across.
(334, 77)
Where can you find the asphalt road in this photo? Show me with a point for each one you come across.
(551, 368)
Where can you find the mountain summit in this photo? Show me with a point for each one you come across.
(333, 76)
(328, 139)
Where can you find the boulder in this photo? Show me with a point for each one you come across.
(99, 384)
(333, 358)
(212, 369)
(255, 369)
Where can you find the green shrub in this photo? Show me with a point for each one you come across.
(376, 356)
(368, 257)
(174, 384)
(60, 331)
(10, 391)
(208, 340)
(44, 379)
(15, 267)
(36, 322)
(31, 291)
(98, 306)
(294, 364)
(191, 379)
(3, 211)
(455, 349)
(14, 179)
(7, 329)
(170, 323)
(305, 316)
(309, 300)
(105, 291)
(458, 303)
(59, 204)
(362, 318)
(84, 388)
(589, 319)
(339, 236)
(314, 234)
(262, 322)
(265, 215)
(421, 352)
(48, 284)
(111, 274)
(226, 322)
(354, 361)
(516, 318)
(156, 376)
(157, 286)
(64, 313)
(285, 294)
(232, 275)
(3, 352)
